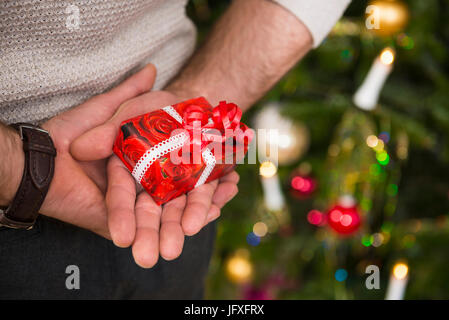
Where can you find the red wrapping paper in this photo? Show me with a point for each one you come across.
(202, 127)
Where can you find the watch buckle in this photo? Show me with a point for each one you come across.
(21, 126)
(6, 222)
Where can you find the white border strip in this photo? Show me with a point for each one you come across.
(171, 111)
(210, 161)
(157, 151)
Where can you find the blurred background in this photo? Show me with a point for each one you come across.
(357, 184)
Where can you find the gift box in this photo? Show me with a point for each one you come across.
(177, 148)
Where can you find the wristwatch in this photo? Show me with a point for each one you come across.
(39, 168)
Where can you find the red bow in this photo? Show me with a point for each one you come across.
(225, 116)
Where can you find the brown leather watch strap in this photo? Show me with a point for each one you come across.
(38, 172)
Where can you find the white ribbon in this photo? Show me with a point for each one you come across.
(169, 145)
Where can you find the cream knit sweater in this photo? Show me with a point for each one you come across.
(55, 54)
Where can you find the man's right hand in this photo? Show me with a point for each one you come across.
(76, 194)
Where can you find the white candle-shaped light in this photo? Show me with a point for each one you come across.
(274, 200)
(367, 95)
(398, 282)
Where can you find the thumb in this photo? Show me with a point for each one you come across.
(100, 108)
(97, 143)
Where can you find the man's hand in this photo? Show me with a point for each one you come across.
(135, 218)
(76, 194)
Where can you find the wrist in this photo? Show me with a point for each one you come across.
(185, 90)
(188, 89)
(12, 167)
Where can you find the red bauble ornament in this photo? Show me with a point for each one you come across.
(345, 220)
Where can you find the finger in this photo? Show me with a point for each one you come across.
(199, 201)
(87, 146)
(139, 83)
(233, 177)
(100, 108)
(213, 214)
(120, 201)
(146, 244)
(171, 233)
(226, 189)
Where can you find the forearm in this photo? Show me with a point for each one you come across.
(11, 163)
(251, 47)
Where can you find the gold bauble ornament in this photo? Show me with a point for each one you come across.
(291, 140)
(238, 267)
(387, 17)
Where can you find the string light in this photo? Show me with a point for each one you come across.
(267, 169)
(400, 271)
(273, 196)
(387, 56)
(398, 282)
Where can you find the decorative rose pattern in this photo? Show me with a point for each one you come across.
(165, 180)
(158, 126)
(133, 149)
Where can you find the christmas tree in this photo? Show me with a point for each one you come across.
(362, 183)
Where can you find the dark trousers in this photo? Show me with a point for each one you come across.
(33, 265)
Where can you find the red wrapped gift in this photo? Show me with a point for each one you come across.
(177, 148)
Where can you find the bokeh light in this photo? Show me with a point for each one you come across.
(405, 41)
(400, 270)
(305, 185)
(377, 239)
(383, 158)
(341, 275)
(379, 147)
(372, 141)
(387, 56)
(367, 240)
(335, 215)
(238, 268)
(392, 189)
(384, 136)
(267, 169)
(252, 239)
(315, 217)
(347, 55)
(260, 229)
